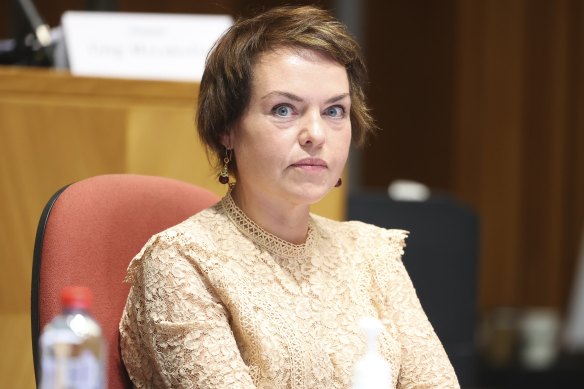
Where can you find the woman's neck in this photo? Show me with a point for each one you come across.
(286, 221)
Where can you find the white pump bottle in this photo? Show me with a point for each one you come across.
(372, 371)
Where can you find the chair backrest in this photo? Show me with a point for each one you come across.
(441, 257)
(87, 235)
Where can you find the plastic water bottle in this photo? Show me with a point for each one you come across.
(73, 351)
(372, 371)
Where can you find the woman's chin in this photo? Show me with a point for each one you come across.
(310, 194)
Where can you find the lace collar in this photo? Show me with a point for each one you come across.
(270, 242)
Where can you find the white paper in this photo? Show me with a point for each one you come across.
(140, 45)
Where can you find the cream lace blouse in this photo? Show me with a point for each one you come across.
(217, 302)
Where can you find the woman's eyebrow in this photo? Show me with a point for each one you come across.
(293, 97)
(334, 99)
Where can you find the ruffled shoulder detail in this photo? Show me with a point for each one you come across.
(368, 238)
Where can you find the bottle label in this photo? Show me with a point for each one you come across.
(67, 363)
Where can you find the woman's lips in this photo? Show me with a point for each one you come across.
(313, 164)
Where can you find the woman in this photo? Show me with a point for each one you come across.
(256, 292)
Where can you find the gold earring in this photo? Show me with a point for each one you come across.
(224, 175)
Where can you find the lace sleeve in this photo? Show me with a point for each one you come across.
(176, 333)
(424, 363)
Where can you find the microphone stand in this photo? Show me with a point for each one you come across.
(34, 49)
(41, 30)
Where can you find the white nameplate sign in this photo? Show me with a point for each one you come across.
(140, 45)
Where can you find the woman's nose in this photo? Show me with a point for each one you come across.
(313, 130)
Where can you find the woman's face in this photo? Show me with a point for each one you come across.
(293, 139)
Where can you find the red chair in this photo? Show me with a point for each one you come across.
(87, 235)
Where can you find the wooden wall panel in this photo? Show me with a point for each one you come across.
(16, 358)
(410, 55)
(483, 99)
(12, 21)
(43, 147)
(574, 183)
(518, 144)
(544, 159)
(500, 153)
(38, 159)
(201, 7)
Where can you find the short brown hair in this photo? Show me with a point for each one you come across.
(226, 83)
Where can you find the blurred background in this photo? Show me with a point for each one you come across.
(482, 101)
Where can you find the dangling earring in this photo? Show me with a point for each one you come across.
(224, 175)
(339, 183)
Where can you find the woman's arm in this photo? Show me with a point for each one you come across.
(424, 363)
(177, 328)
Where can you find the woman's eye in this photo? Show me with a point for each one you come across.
(335, 112)
(283, 110)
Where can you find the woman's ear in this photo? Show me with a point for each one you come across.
(226, 140)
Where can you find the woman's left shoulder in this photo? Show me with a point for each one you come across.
(363, 234)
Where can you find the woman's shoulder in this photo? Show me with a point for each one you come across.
(200, 228)
(194, 237)
(363, 234)
(380, 249)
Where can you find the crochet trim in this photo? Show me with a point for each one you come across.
(270, 242)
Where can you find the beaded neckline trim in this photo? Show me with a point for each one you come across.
(270, 242)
